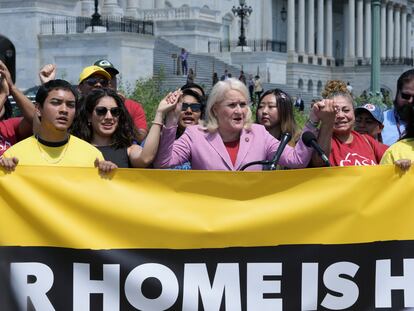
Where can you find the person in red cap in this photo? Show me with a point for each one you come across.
(134, 108)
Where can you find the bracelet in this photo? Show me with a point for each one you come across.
(312, 123)
(157, 123)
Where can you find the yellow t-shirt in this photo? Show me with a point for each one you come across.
(76, 152)
(403, 149)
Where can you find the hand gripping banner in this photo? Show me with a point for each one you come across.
(315, 239)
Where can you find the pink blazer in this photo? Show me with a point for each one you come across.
(206, 151)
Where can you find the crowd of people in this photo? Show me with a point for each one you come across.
(93, 125)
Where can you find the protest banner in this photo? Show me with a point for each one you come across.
(315, 239)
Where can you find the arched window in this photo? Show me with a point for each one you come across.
(310, 86)
(300, 84)
(319, 87)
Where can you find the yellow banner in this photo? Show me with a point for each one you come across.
(76, 208)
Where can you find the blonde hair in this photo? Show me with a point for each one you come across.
(217, 95)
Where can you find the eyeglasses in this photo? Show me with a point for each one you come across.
(94, 81)
(195, 107)
(406, 96)
(102, 111)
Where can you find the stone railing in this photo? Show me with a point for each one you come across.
(179, 14)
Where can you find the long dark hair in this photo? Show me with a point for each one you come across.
(125, 133)
(285, 110)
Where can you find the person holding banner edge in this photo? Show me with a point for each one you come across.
(53, 145)
(227, 139)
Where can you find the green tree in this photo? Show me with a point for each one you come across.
(148, 92)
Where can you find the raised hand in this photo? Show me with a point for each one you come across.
(170, 102)
(47, 73)
(324, 111)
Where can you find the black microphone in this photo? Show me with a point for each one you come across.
(310, 141)
(283, 142)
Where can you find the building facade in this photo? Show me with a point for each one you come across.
(297, 43)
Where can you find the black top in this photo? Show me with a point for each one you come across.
(117, 156)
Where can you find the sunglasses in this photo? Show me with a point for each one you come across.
(406, 96)
(102, 111)
(94, 81)
(195, 107)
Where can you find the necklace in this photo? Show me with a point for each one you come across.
(46, 156)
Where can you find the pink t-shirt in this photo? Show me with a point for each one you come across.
(363, 150)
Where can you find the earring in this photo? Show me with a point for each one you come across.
(89, 124)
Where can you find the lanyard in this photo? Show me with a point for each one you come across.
(397, 124)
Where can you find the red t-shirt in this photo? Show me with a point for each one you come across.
(8, 133)
(233, 148)
(137, 113)
(363, 150)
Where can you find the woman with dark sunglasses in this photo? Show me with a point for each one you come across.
(104, 122)
(192, 110)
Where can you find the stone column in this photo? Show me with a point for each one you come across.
(87, 7)
(329, 28)
(390, 31)
(320, 35)
(266, 20)
(367, 49)
(409, 27)
(301, 26)
(404, 32)
(158, 4)
(131, 9)
(351, 29)
(311, 27)
(346, 29)
(291, 27)
(397, 32)
(360, 28)
(111, 8)
(383, 30)
(376, 47)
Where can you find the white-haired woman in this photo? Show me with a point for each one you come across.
(227, 139)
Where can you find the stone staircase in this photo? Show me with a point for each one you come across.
(203, 65)
(165, 60)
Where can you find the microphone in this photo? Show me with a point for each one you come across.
(283, 142)
(310, 141)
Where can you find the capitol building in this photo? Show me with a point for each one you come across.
(297, 45)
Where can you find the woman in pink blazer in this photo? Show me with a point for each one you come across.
(227, 139)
